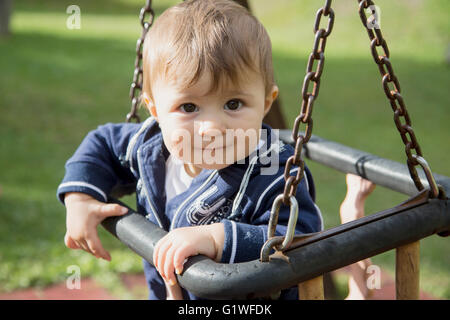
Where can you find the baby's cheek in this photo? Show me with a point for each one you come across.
(177, 141)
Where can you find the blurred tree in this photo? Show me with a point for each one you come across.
(5, 12)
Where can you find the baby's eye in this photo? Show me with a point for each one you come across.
(233, 104)
(188, 107)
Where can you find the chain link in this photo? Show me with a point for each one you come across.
(136, 85)
(391, 87)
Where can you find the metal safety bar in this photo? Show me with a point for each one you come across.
(383, 172)
(206, 278)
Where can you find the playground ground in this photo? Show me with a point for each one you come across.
(137, 290)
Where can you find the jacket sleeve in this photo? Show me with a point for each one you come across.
(99, 165)
(244, 239)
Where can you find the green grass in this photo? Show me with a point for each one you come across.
(57, 84)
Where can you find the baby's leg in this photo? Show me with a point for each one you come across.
(173, 292)
(352, 208)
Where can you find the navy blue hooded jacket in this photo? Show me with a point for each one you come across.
(116, 158)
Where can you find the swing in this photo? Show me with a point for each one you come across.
(303, 259)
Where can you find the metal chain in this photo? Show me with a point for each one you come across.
(136, 85)
(305, 117)
(308, 99)
(391, 87)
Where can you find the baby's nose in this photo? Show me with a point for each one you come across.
(210, 128)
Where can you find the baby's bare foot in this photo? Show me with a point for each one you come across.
(358, 189)
(359, 186)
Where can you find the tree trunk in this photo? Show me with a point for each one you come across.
(5, 12)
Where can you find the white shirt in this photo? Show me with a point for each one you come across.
(177, 180)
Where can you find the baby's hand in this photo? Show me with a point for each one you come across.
(179, 244)
(84, 213)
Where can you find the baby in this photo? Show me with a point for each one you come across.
(199, 163)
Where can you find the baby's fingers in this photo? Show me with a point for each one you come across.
(110, 209)
(95, 245)
(165, 246)
(70, 243)
(156, 252)
(180, 256)
(168, 272)
(83, 245)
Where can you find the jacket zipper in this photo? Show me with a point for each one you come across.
(144, 186)
(190, 197)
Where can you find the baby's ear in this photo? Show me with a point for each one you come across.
(150, 105)
(270, 98)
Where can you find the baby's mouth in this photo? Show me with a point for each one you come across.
(215, 147)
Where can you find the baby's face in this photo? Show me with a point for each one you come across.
(211, 130)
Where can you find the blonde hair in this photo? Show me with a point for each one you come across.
(219, 36)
